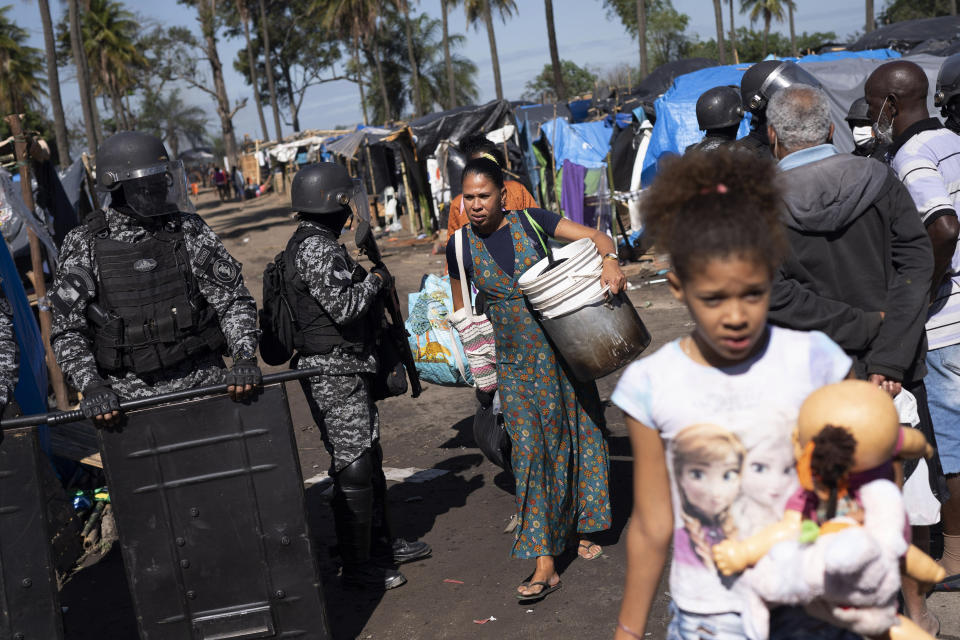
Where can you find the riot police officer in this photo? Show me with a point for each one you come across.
(147, 300)
(333, 297)
(865, 143)
(757, 86)
(8, 358)
(947, 96)
(719, 112)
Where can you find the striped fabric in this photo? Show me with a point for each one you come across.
(928, 163)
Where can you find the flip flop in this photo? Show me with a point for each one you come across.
(950, 583)
(588, 546)
(540, 595)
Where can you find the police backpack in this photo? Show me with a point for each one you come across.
(278, 323)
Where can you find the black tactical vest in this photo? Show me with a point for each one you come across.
(156, 317)
(317, 332)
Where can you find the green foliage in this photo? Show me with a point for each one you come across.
(665, 27)
(21, 68)
(167, 117)
(576, 79)
(750, 44)
(898, 10)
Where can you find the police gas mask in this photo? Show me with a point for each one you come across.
(151, 192)
(883, 127)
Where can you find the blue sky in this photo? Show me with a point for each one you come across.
(585, 34)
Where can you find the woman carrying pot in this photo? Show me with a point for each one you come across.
(558, 455)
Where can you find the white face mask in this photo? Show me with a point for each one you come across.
(862, 134)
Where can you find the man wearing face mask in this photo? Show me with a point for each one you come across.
(333, 299)
(147, 300)
(926, 157)
(865, 143)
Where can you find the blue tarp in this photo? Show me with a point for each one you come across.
(676, 124)
(586, 143)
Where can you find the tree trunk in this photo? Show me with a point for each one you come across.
(265, 34)
(718, 16)
(953, 7)
(766, 33)
(208, 28)
(294, 111)
(53, 79)
(83, 82)
(119, 119)
(356, 64)
(488, 20)
(252, 62)
(642, 36)
(558, 86)
(173, 143)
(793, 33)
(733, 37)
(384, 98)
(414, 68)
(447, 60)
(868, 27)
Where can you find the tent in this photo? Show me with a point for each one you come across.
(841, 73)
(456, 124)
(661, 79)
(933, 36)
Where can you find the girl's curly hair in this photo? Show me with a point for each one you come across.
(716, 204)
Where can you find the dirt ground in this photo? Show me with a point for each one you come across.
(470, 578)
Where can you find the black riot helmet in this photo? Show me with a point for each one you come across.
(765, 78)
(948, 83)
(719, 108)
(324, 187)
(135, 168)
(858, 114)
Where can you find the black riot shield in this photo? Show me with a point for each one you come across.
(28, 585)
(210, 510)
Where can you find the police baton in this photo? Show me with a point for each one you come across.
(63, 417)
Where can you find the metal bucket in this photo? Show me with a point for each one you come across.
(598, 339)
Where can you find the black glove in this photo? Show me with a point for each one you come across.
(243, 372)
(381, 270)
(99, 400)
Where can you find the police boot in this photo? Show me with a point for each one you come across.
(352, 513)
(386, 549)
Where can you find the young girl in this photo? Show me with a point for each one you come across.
(717, 215)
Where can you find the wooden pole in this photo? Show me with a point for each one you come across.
(36, 260)
(91, 184)
(409, 198)
(373, 184)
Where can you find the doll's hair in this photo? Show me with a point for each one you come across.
(704, 444)
(485, 167)
(716, 205)
(833, 451)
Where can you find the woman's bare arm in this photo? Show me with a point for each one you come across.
(649, 531)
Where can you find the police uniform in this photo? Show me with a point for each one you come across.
(109, 329)
(335, 296)
(8, 354)
(710, 142)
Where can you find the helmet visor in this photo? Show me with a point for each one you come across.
(158, 190)
(784, 76)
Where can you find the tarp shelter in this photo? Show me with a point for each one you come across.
(660, 80)
(456, 124)
(537, 114)
(348, 144)
(585, 143)
(933, 36)
(287, 151)
(841, 73)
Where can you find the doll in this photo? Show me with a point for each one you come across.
(843, 540)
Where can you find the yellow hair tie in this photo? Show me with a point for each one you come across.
(489, 156)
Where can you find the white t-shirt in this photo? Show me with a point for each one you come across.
(728, 446)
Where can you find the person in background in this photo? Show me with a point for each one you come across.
(860, 261)
(925, 155)
(236, 180)
(719, 112)
(699, 407)
(865, 143)
(558, 455)
(947, 95)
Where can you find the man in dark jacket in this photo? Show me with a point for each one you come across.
(860, 259)
(860, 263)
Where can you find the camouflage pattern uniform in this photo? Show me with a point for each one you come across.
(71, 336)
(8, 353)
(340, 398)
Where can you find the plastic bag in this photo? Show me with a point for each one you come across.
(437, 350)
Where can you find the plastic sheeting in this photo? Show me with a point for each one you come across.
(287, 151)
(31, 390)
(841, 73)
(586, 143)
(456, 124)
(933, 36)
(15, 217)
(348, 144)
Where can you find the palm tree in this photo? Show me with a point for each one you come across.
(870, 17)
(167, 117)
(768, 9)
(558, 86)
(733, 35)
(109, 34)
(432, 71)
(21, 68)
(642, 33)
(53, 80)
(483, 10)
(244, 15)
(271, 87)
(791, 5)
(448, 62)
(404, 7)
(90, 119)
(718, 16)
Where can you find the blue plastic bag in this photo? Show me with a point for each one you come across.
(436, 347)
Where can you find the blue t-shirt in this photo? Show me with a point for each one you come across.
(500, 245)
